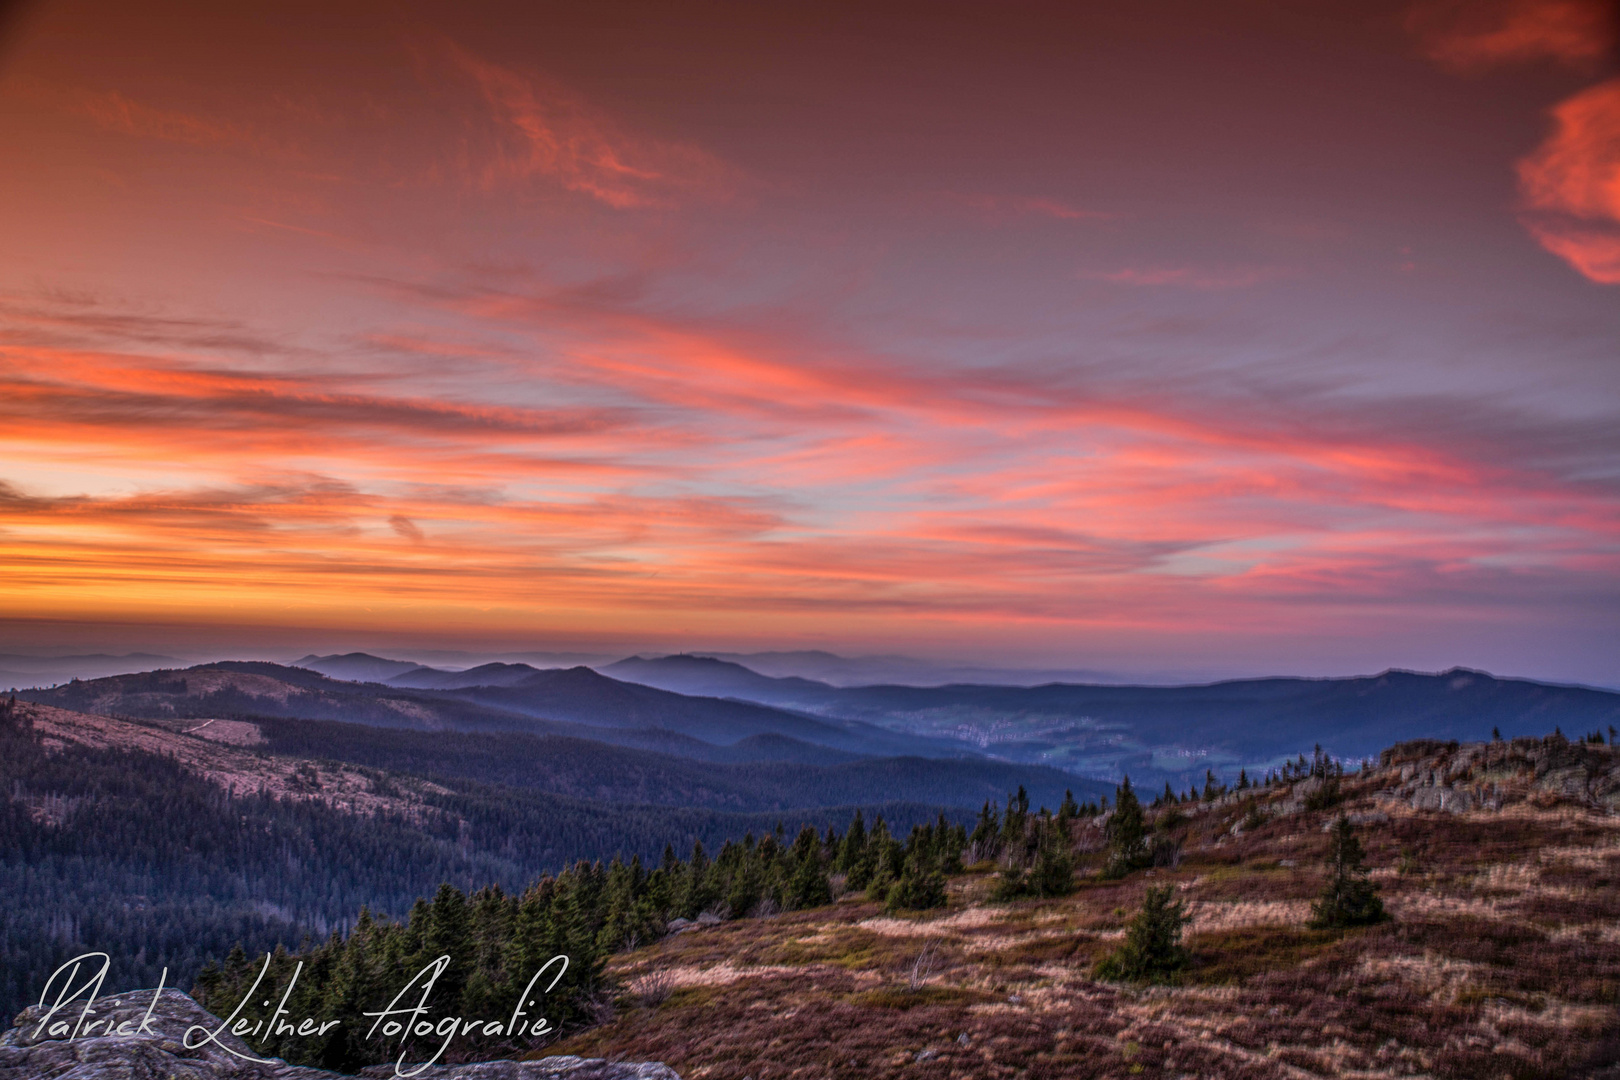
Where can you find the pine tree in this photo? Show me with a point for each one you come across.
(1152, 949)
(1348, 898)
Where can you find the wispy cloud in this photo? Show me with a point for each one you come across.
(548, 132)
(1470, 36)
(1024, 205)
(1208, 278)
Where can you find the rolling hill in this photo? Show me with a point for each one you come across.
(1173, 734)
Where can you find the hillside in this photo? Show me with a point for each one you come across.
(586, 769)
(166, 842)
(1498, 862)
(575, 701)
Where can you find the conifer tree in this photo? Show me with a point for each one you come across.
(747, 886)
(1014, 827)
(809, 886)
(1053, 872)
(949, 840)
(920, 886)
(1068, 809)
(982, 843)
(1126, 834)
(1152, 949)
(1348, 898)
(886, 861)
(852, 849)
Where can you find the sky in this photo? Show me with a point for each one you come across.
(1212, 338)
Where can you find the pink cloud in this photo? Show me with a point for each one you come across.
(548, 132)
(1470, 36)
(1571, 184)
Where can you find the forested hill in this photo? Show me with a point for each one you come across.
(591, 770)
(575, 701)
(1174, 733)
(164, 848)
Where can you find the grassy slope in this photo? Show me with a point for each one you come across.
(1502, 959)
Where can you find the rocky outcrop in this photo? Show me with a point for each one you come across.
(1458, 777)
(147, 1041)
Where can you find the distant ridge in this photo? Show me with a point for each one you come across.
(496, 674)
(355, 666)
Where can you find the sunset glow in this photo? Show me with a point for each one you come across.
(1227, 339)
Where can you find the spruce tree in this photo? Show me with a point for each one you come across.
(809, 886)
(1126, 834)
(1152, 949)
(1053, 872)
(1348, 898)
(852, 849)
(920, 887)
(983, 841)
(1068, 810)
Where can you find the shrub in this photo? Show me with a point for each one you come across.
(1152, 949)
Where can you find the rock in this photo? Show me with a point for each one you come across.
(1456, 778)
(156, 1050)
(1371, 817)
(1449, 799)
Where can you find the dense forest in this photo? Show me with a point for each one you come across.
(129, 853)
(497, 941)
(587, 769)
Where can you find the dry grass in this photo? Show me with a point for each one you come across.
(1502, 960)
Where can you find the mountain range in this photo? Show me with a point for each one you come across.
(1155, 734)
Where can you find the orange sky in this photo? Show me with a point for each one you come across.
(1237, 338)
